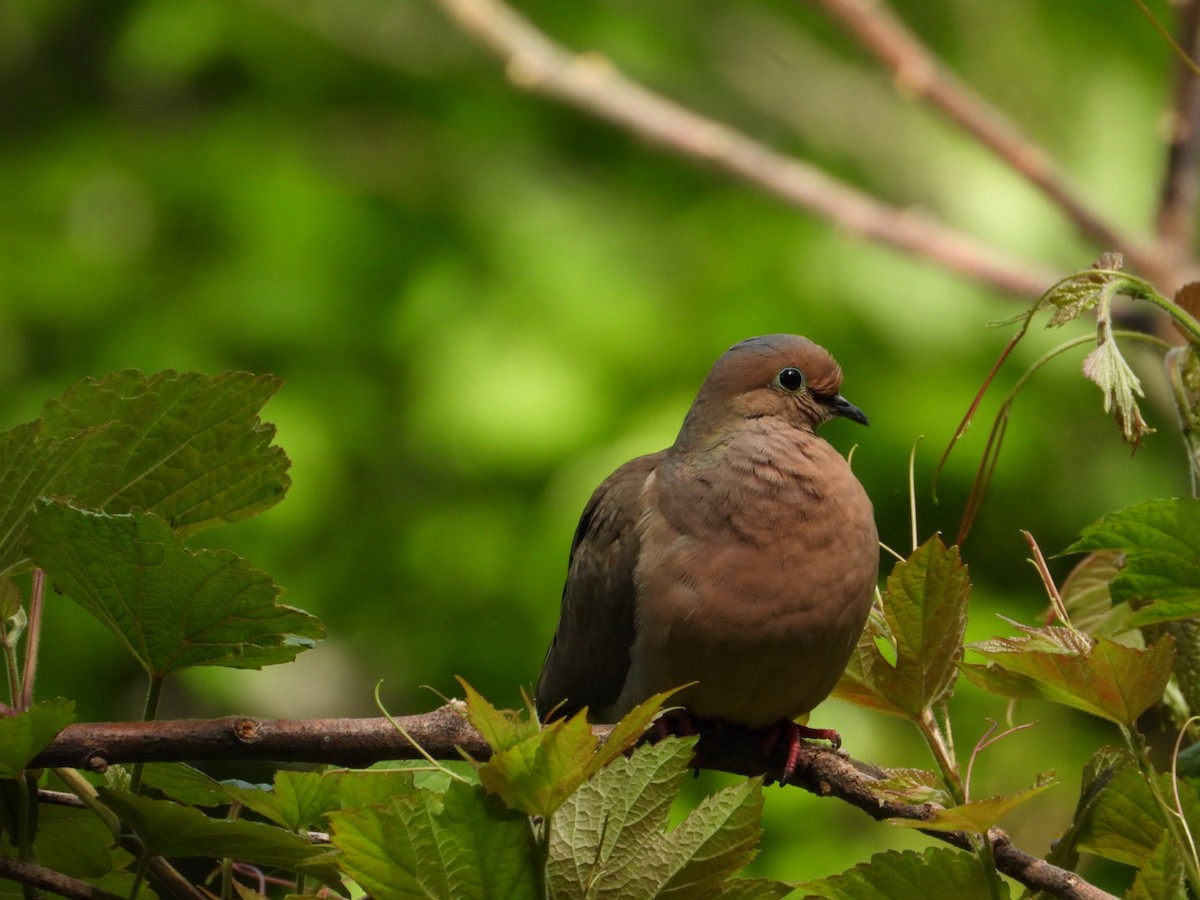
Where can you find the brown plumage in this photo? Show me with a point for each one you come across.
(744, 557)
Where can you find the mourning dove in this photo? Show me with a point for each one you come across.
(743, 558)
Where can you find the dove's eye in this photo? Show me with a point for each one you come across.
(790, 379)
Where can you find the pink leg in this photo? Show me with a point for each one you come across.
(795, 740)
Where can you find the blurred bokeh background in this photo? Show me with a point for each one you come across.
(482, 302)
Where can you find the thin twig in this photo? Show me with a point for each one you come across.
(593, 84)
(1177, 202)
(918, 73)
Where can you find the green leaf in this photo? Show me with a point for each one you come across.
(1088, 601)
(168, 829)
(925, 608)
(172, 607)
(1125, 823)
(26, 734)
(1095, 675)
(297, 800)
(185, 446)
(1161, 575)
(609, 838)
(461, 845)
(977, 816)
(533, 767)
(1098, 772)
(29, 463)
(181, 782)
(1162, 877)
(71, 841)
(908, 875)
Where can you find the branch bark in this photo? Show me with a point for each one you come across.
(919, 73)
(591, 83)
(444, 731)
(1177, 201)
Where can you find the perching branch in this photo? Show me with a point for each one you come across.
(361, 742)
(592, 83)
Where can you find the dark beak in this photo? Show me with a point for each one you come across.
(840, 406)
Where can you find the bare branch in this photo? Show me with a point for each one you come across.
(1177, 203)
(360, 742)
(28, 873)
(592, 83)
(917, 72)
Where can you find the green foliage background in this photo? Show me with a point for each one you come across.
(481, 303)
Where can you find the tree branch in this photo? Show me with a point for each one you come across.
(442, 732)
(917, 72)
(593, 84)
(1177, 202)
(48, 880)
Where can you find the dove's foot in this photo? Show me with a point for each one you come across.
(795, 735)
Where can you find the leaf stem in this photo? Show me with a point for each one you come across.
(939, 743)
(153, 695)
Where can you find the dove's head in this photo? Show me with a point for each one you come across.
(779, 375)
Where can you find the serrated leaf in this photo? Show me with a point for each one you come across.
(186, 446)
(1125, 823)
(297, 800)
(1095, 675)
(71, 841)
(925, 608)
(609, 838)
(908, 875)
(1162, 876)
(172, 607)
(26, 734)
(533, 767)
(461, 845)
(977, 816)
(181, 782)
(29, 463)
(861, 682)
(168, 829)
(1161, 574)
(1098, 772)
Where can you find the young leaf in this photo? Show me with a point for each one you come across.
(1161, 575)
(169, 829)
(977, 816)
(1121, 387)
(24, 735)
(609, 838)
(938, 872)
(188, 447)
(534, 768)
(461, 845)
(926, 612)
(171, 606)
(1095, 675)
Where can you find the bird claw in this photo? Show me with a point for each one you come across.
(796, 735)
